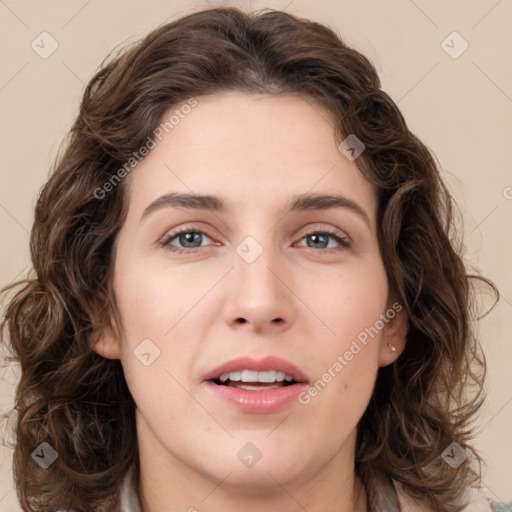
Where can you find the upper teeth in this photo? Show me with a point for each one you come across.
(253, 376)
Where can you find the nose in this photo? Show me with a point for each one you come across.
(260, 294)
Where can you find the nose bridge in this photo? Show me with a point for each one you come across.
(256, 265)
(258, 293)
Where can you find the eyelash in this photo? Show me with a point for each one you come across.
(344, 243)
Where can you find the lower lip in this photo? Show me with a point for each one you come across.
(259, 401)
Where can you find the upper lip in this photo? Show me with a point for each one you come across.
(267, 363)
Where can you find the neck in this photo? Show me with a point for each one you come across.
(169, 483)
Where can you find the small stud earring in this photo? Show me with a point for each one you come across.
(392, 347)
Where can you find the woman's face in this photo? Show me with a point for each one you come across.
(256, 278)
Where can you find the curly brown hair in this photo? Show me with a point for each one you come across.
(79, 402)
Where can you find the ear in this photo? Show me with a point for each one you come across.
(107, 342)
(394, 334)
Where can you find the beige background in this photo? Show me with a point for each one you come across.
(460, 107)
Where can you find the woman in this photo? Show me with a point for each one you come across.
(247, 294)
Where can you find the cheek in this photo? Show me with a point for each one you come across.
(153, 300)
(346, 359)
(353, 301)
(156, 313)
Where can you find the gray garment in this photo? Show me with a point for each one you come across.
(129, 499)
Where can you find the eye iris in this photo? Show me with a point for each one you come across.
(316, 238)
(189, 237)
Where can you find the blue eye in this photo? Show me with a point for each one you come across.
(185, 237)
(321, 238)
(191, 239)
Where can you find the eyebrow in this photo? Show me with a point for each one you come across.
(301, 202)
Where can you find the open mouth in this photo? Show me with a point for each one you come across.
(253, 386)
(255, 381)
(248, 374)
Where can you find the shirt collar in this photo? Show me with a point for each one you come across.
(129, 500)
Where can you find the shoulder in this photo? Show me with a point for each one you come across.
(477, 502)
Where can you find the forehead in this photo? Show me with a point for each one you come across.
(249, 149)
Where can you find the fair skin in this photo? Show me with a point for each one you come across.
(255, 152)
